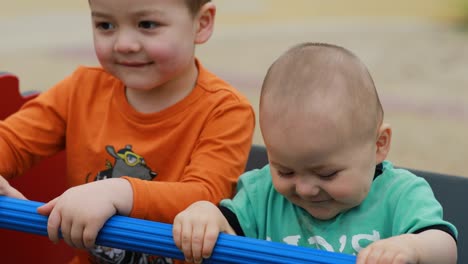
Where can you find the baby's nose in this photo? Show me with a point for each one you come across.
(307, 187)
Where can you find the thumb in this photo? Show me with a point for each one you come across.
(12, 192)
(7, 190)
(47, 208)
(228, 229)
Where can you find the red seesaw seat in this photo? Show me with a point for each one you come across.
(18, 247)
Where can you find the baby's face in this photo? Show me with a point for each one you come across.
(323, 171)
(144, 43)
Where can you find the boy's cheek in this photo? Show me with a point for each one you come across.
(101, 51)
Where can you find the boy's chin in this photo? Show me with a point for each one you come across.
(140, 85)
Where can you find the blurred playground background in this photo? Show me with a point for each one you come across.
(416, 50)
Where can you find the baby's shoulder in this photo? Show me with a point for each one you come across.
(395, 181)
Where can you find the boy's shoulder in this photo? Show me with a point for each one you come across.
(89, 76)
(83, 71)
(213, 84)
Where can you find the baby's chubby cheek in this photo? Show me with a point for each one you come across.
(352, 194)
(361, 193)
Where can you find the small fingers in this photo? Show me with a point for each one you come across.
(177, 231)
(76, 235)
(83, 236)
(186, 241)
(198, 235)
(53, 225)
(90, 235)
(369, 256)
(211, 236)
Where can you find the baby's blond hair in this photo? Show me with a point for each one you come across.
(310, 75)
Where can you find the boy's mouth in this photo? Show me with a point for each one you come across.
(134, 64)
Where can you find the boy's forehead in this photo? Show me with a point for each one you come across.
(138, 4)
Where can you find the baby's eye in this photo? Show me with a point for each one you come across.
(148, 24)
(105, 26)
(328, 175)
(285, 173)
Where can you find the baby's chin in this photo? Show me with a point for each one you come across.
(324, 217)
(325, 213)
(321, 213)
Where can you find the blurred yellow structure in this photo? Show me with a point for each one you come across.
(261, 10)
(267, 10)
(416, 55)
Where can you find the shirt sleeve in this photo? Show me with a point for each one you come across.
(217, 161)
(417, 209)
(251, 202)
(37, 130)
(232, 220)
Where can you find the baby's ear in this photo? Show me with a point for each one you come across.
(384, 139)
(205, 22)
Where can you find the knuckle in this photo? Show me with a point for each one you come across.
(186, 238)
(197, 239)
(88, 240)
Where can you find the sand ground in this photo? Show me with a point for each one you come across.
(418, 59)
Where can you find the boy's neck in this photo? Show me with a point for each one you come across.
(162, 97)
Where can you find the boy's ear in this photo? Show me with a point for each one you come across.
(384, 139)
(205, 23)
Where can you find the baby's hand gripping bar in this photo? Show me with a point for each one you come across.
(156, 239)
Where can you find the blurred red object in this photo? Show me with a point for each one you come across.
(18, 247)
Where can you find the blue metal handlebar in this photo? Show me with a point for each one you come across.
(156, 239)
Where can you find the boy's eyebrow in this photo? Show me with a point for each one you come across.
(146, 12)
(140, 13)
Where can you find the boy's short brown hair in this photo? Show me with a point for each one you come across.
(194, 5)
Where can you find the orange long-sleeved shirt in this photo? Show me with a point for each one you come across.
(197, 147)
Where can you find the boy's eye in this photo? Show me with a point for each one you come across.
(104, 26)
(148, 24)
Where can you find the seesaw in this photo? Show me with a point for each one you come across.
(156, 239)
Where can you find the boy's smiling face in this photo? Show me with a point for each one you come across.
(145, 43)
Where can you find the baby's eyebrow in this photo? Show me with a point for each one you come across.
(277, 165)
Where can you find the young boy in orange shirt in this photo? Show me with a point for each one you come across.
(146, 135)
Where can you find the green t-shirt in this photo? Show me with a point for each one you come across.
(399, 202)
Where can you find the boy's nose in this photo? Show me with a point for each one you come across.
(126, 43)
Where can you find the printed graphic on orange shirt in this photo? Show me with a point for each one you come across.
(126, 163)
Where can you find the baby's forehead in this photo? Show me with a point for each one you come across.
(307, 94)
(331, 105)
